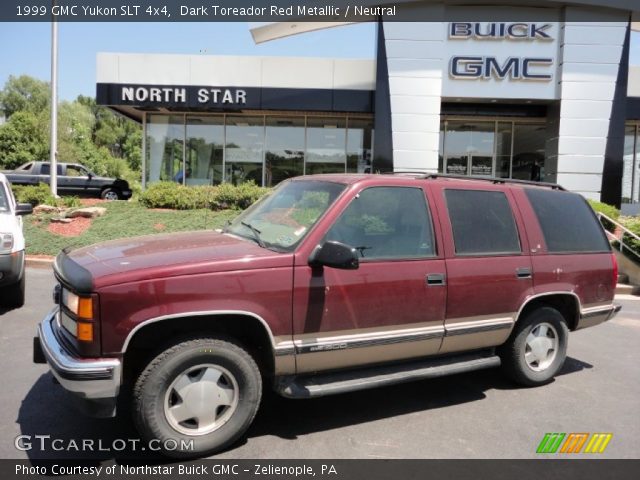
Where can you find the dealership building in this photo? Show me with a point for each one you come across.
(540, 93)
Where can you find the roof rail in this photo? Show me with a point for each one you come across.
(495, 180)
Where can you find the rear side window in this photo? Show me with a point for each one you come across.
(567, 221)
(482, 223)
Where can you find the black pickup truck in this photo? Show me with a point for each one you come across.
(73, 179)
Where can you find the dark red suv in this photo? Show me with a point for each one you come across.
(331, 283)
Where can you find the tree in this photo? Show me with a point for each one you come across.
(24, 138)
(24, 93)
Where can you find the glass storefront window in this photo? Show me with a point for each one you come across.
(165, 148)
(631, 165)
(504, 138)
(284, 149)
(528, 152)
(200, 149)
(469, 147)
(326, 142)
(359, 142)
(205, 147)
(244, 149)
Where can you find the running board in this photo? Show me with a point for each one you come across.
(319, 385)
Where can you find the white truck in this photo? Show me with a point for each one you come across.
(12, 277)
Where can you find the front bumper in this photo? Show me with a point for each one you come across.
(94, 382)
(11, 267)
(596, 315)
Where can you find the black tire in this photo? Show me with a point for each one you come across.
(111, 194)
(151, 393)
(513, 352)
(14, 295)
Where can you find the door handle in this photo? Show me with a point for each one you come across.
(436, 279)
(523, 272)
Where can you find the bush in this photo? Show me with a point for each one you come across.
(69, 202)
(227, 196)
(180, 197)
(610, 211)
(34, 194)
(633, 224)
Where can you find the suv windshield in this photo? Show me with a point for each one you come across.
(281, 220)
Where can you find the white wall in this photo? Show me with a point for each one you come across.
(240, 71)
(591, 50)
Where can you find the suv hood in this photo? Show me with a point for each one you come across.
(163, 255)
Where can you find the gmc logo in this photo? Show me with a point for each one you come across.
(497, 31)
(478, 67)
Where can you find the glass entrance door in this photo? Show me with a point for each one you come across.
(469, 148)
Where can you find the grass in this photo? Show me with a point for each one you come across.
(123, 219)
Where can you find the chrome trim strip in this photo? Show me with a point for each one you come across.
(203, 313)
(546, 294)
(366, 340)
(465, 329)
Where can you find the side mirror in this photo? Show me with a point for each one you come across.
(336, 255)
(89, 175)
(24, 209)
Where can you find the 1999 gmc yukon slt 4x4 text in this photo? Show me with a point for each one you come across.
(332, 283)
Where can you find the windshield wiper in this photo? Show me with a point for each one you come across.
(256, 233)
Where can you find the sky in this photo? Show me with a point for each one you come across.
(25, 47)
(30, 45)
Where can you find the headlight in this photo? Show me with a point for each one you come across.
(6, 242)
(81, 307)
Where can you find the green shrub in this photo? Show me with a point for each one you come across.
(69, 202)
(610, 211)
(227, 196)
(179, 197)
(633, 224)
(34, 194)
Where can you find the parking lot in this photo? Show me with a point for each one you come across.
(474, 415)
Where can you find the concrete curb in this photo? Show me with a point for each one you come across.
(39, 262)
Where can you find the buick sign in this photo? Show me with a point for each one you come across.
(485, 67)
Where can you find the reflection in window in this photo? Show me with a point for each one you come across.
(503, 150)
(284, 149)
(631, 166)
(243, 152)
(205, 141)
(359, 141)
(326, 139)
(386, 222)
(165, 147)
(528, 152)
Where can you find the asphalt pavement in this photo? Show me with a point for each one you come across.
(473, 415)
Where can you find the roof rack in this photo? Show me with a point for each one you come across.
(495, 180)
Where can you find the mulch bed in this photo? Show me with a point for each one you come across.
(76, 227)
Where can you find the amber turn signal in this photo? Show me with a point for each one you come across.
(85, 331)
(85, 308)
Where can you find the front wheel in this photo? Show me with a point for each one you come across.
(110, 194)
(537, 348)
(197, 397)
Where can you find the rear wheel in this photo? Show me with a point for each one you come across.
(110, 194)
(537, 348)
(197, 397)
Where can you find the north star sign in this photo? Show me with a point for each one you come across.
(474, 67)
(204, 96)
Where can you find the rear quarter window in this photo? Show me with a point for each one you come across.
(567, 222)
